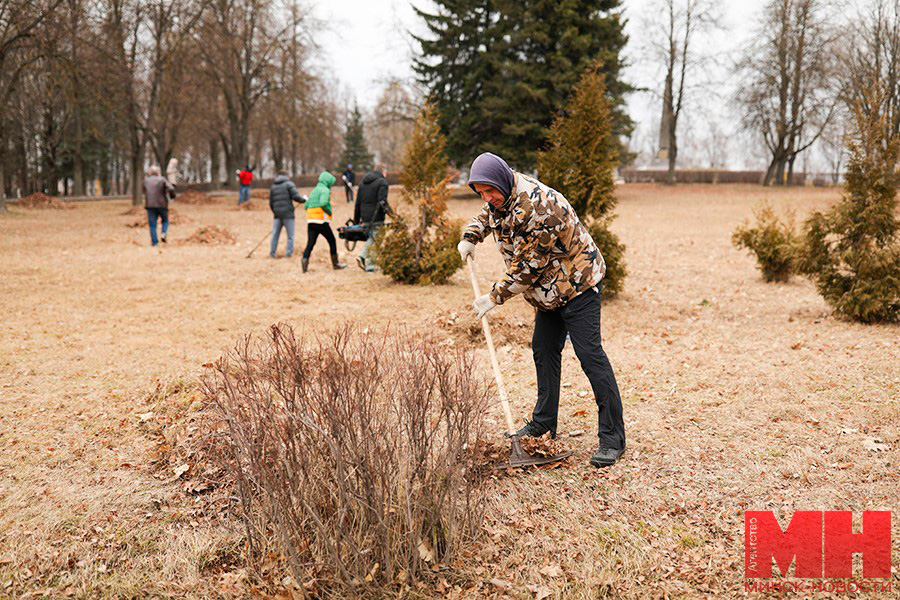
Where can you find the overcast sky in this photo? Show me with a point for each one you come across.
(367, 41)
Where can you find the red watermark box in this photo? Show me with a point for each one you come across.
(820, 545)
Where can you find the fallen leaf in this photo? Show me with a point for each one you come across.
(144, 417)
(540, 592)
(181, 470)
(579, 413)
(425, 553)
(875, 445)
(848, 431)
(551, 571)
(576, 433)
(500, 583)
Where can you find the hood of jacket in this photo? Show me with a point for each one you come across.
(372, 176)
(326, 178)
(281, 179)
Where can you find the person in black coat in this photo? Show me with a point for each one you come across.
(282, 196)
(349, 178)
(371, 208)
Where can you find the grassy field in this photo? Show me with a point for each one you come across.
(739, 395)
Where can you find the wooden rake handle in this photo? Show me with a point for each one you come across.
(504, 399)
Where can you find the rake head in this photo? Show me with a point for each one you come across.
(519, 458)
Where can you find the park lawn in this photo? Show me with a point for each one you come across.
(739, 395)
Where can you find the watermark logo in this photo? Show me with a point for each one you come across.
(821, 545)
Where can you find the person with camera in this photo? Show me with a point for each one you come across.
(371, 208)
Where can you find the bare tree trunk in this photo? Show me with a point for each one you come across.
(293, 154)
(770, 173)
(278, 149)
(2, 178)
(667, 126)
(77, 158)
(78, 126)
(671, 177)
(103, 173)
(3, 147)
(22, 155)
(231, 164)
(214, 176)
(137, 167)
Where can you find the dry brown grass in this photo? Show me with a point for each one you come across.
(738, 395)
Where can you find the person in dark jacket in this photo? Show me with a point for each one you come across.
(157, 191)
(282, 196)
(371, 207)
(349, 178)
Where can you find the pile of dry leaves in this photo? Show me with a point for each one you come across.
(39, 200)
(466, 332)
(542, 446)
(194, 197)
(487, 455)
(211, 235)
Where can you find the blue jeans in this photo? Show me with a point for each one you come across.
(244, 195)
(288, 225)
(373, 231)
(152, 215)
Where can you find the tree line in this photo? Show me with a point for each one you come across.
(499, 71)
(93, 90)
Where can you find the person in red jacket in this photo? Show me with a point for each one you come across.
(245, 177)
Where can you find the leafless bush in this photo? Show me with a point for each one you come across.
(354, 448)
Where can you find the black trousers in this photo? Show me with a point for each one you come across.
(580, 317)
(313, 231)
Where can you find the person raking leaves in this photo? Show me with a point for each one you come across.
(554, 263)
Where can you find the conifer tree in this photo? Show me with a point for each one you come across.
(852, 252)
(356, 152)
(424, 177)
(579, 163)
(427, 254)
(499, 70)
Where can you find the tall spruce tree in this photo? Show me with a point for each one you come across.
(499, 70)
(356, 152)
(852, 251)
(579, 162)
(426, 254)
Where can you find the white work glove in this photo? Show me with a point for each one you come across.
(466, 249)
(482, 305)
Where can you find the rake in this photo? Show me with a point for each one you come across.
(517, 455)
(259, 244)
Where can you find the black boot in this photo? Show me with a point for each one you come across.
(605, 457)
(304, 262)
(335, 264)
(531, 429)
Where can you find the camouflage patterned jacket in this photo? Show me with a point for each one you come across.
(549, 254)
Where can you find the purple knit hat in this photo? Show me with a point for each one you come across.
(492, 170)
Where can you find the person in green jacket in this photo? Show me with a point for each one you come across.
(318, 219)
